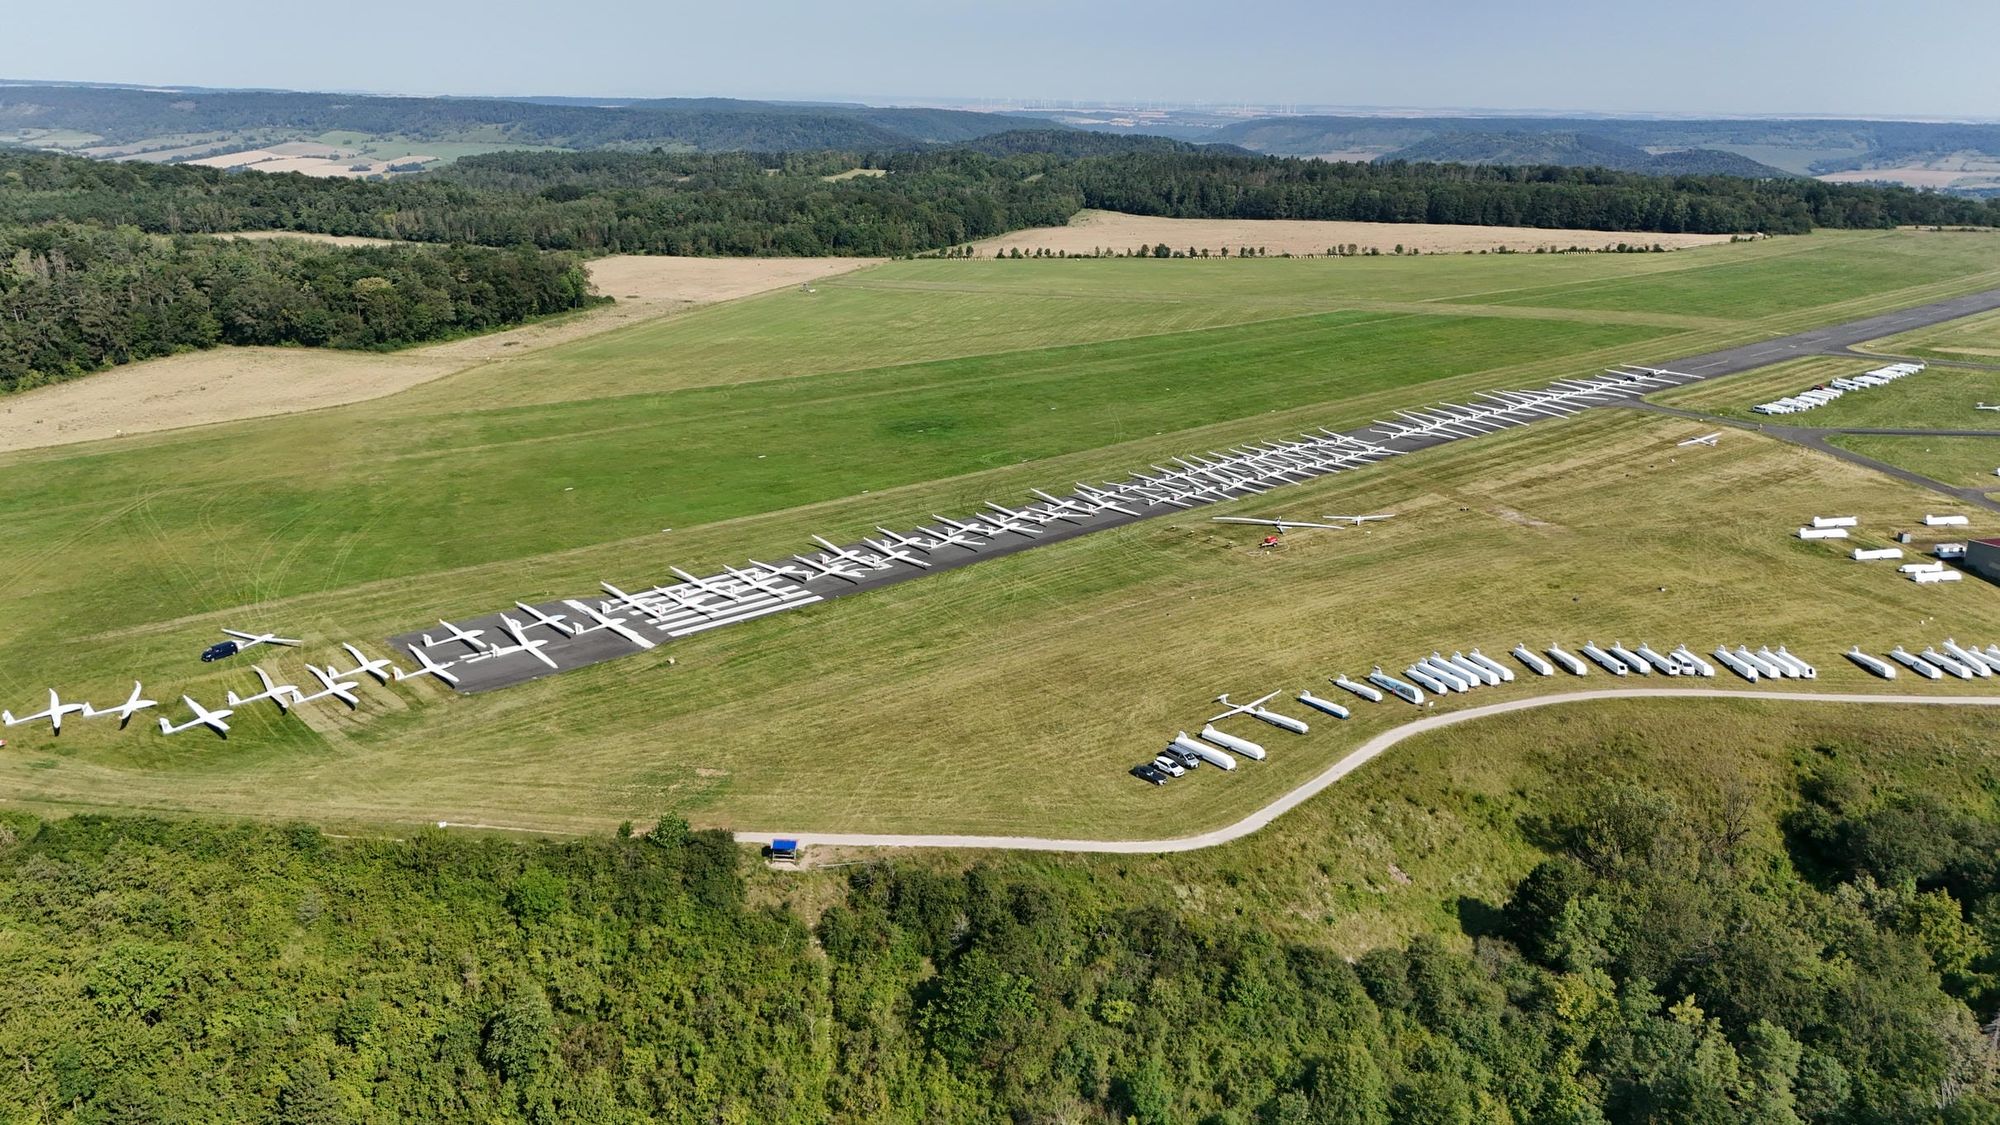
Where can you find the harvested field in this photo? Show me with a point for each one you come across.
(1091, 230)
(226, 384)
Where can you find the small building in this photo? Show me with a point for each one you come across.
(1982, 557)
(784, 851)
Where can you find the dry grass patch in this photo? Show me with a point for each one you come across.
(229, 384)
(1090, 230)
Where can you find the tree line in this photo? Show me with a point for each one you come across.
(1665, 963)
(794, 204)
(76, 298)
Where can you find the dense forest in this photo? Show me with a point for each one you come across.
(76, 298)
(1661, 965)
(742, 204)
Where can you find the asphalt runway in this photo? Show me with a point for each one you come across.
(577, 640)
(1834, 339)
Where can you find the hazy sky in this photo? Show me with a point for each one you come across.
(1917, 57)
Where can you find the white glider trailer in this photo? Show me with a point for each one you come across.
(1430, 683)
(1874, 664)
(1664, 664)
(1947, 663)
(1535, 664)
(1736, 664)
(1505, 673)
(1631, 659)
(1915, 663)
(1405, 692)
(1370, 694)
(1326, 705)
(1475, 674)
(1229, 741)
(1693, 663)
(1204, 751)
(1604, 659)
(1972, 658)
(1570, 663)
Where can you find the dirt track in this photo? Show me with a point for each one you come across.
(1112, 230)
(227, 384)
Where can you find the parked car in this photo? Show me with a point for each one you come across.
(1169, 766)
(1187, 758)
(1147, 771)
(221, 651)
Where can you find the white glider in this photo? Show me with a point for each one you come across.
(124, 710)
(380, 669)
(57, 709)
(469, 636)
(523, 644)
(251, 640)
(556, 621)
(1281, 525)
(427, 666)
(203, 717)
(342, 690)
(606, 621)
(1255, 709)
(280, 694)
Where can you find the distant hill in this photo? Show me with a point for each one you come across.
(1075, 142)
(1577, 150)
(1710, 162)
(121, 116)
(1798, 145)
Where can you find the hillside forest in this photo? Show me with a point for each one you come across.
(1663, 963)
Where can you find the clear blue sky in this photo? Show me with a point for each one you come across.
(1916, 57)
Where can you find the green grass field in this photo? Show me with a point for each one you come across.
(1967, 462)
(928, 386)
